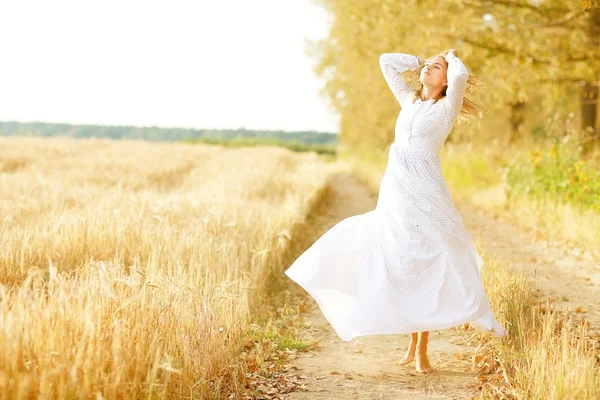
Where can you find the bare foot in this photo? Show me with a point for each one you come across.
(408, 357)
(423, 366)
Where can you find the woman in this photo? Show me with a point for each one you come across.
(409, 265)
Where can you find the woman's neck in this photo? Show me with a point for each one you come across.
(430, 94)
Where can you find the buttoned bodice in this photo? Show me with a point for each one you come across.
(423, 125)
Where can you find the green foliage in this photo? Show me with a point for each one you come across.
(289, 342)
(558, 171)
(154, 133)
(470, 170)
(294, 145)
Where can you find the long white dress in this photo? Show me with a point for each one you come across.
(409, 265)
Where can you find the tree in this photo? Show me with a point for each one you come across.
(522, 50)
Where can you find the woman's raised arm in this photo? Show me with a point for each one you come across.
(392, 66)
(457, 75)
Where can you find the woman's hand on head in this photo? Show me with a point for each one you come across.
(451, 51)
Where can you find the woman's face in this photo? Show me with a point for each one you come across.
(434, 72)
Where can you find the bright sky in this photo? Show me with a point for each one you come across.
(221, 64)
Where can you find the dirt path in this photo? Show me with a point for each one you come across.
(571, 277)
(366, 367)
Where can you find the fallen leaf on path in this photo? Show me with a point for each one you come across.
(352, 375)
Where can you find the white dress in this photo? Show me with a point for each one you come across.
(409, 265)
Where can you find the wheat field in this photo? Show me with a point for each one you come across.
(131, 269)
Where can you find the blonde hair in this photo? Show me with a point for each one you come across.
(469, 108)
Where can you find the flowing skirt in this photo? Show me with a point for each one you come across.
(407, 266)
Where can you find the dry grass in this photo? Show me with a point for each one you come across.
(131, 269)
(546, 355)
(545, 217)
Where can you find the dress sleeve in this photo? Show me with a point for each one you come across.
(392, 65)
(457, 75)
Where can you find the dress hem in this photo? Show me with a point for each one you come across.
(471, 319)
